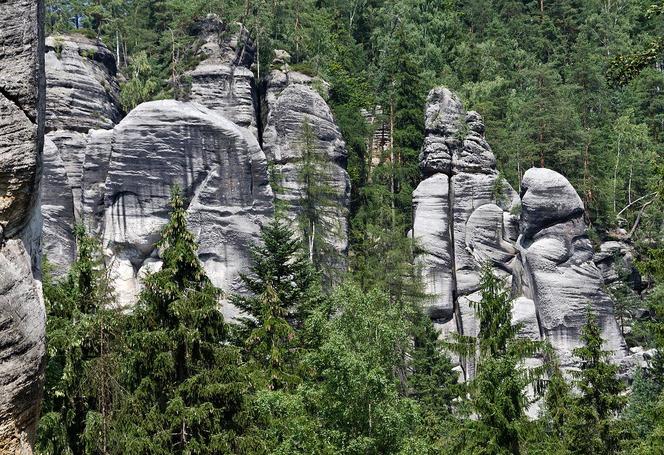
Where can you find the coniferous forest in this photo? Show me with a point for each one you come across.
(329, 360)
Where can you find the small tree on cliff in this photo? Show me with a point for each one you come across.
(185, 381)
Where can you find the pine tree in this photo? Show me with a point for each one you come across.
(432, 381)
(498, 391)
(592, 429)
(185, 381)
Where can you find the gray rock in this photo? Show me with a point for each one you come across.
(22, 349)
(57, 206)
(221, 170)
(463, 219)
(547, 198)
(556, 259)
(431, 231)
(21, 143)
(461, 212)
(290, 103)
(223, 80)
(81, 92)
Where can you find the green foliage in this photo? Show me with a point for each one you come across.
(284, 289)
(185, 383)
(593, 423)
(82, 327)
(142, 84)
(317, 200)
(497, 394)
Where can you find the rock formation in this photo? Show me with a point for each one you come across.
(465, 215)
(82, 93)
(223, 80)
(21, 141)
(81, 90)
(219, 166)
(296, 117)
(115, 176)
(461, 211)
(556, 269)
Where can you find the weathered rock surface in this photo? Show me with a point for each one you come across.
(115, 177)
(223, 80)
(557, 270)
(465, 217)
(81, 92)
(21, 143)
(295, 114)
(22, 324)
(221, 170)
(57, 205)
(462, 209)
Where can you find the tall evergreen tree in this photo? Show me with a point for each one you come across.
(185, 382)
(284, 289)
(593, 429)
(498, 390)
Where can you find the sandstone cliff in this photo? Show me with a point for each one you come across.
(21, 141)
(114, 176)
(466, 215)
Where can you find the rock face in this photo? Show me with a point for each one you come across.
(556, 268)
(461, 211)
(114, 176)
(465, 215)
(82, 92)
(21, 143)
(221, 170)
(298, 122)
(223, 80)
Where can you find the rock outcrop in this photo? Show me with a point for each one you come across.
(223, 80)
(82, 92)
(115, 176)
(466, 215)
(221, 170)
(461, 212)
(297, 123)
(556, 268)
(82, 95)
(22, 320)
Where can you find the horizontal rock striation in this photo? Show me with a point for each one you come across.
(221, 170)
(556, 267)
(82, 92)
(22, 320)
(223, 80)
(115, 176)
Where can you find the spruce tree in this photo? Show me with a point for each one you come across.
(82, 329)
(184, 380)
(498, 390)
(592, 429)
(433, 382)
(283, 288)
